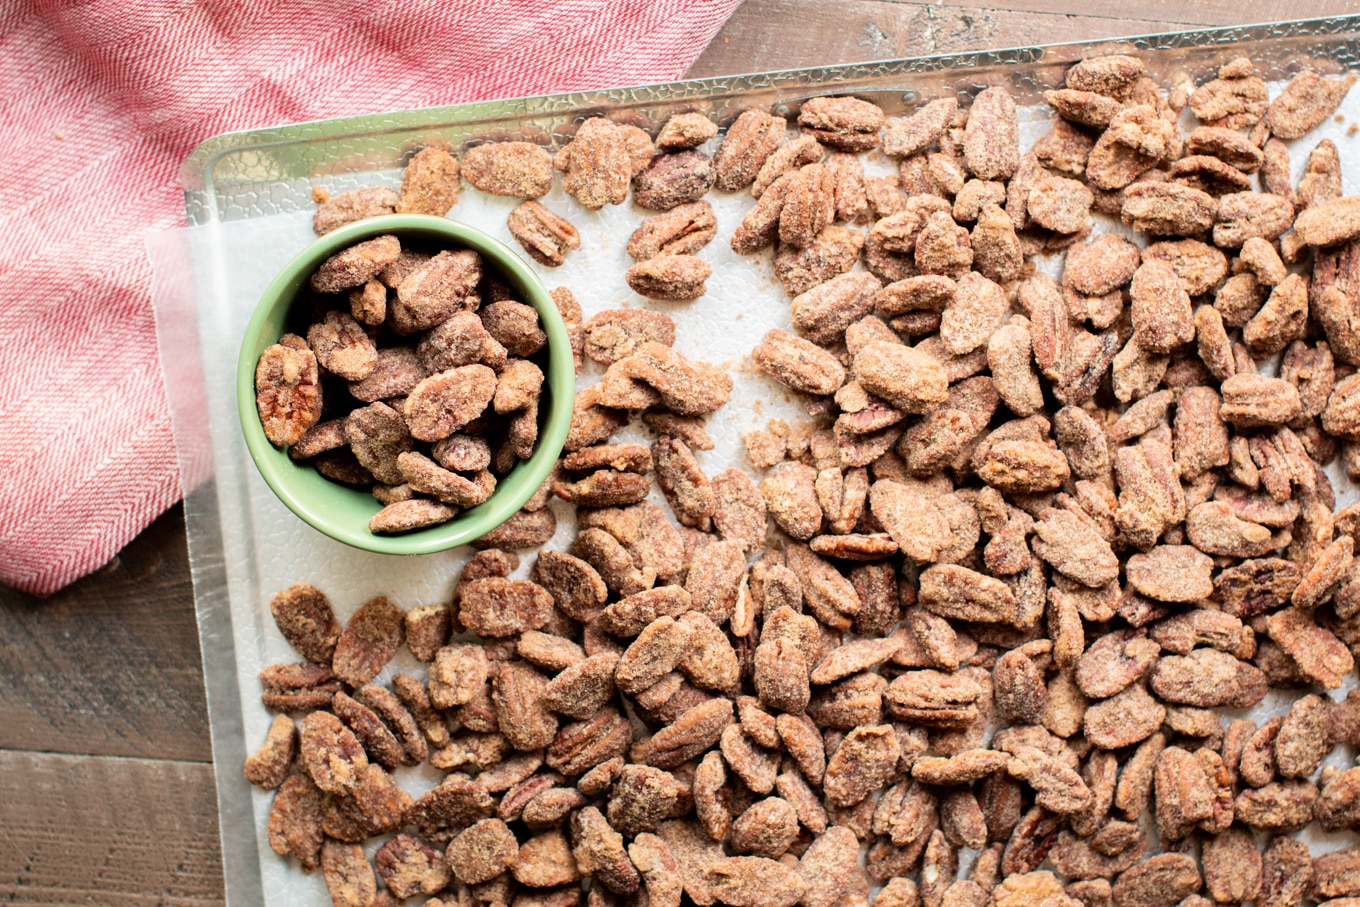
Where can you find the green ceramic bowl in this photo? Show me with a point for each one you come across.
(342, 512)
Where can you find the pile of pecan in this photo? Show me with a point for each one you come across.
(991, 598)
(448, 402)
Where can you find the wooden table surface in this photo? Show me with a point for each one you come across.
(106, 774)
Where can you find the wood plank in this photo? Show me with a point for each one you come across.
(782, 34)
(109, 665)
(108, 831)
(1177, 13)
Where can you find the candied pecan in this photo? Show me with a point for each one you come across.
(865, 760)
(1326, 574)
(683, 230)
(303, 614)
(1256, 586)
(740, 516)
(749, 141)
(1163, 208)
(516, 169)
(791, 498)
(829, 596)
(847, 173)
(780, 675)
(934, 699)
(1280, 806)
(1172, 573)
(482, 852)
(319, 439)
(1084, 107)
(686, 388)
(545, 861)
(443, 403)
(847, 124)
(1065, 541)
(287, 392)
(655, 653)
(975, 311)
(670, 180)
(522, 715)
(604, 488)
(943, 247)
(1287, 873)
(1114, 661)
(1319, 655)
(1330, 222)
(1065, 148)
(1302, 743)
(692, 733)
(355, 265)
(1337, 804)
(370, 639)
(1113, 75)
(582, 689)
(997, 253)
(494, 606)
(1246, 215)
(906, 136)
(1101, 265)
(424, 476)
(430, 183)
(595, 164)
(377, 740)
(687, 488)
(754, 882)
(269, 765)
(831, 252)
(1321, 180)
(434, 290)
(799, 364)
(546, 236)
(906, 378)
(1162, 316)
(685, 130)
(1159, 881)
(1251, 400)
(1306, 102)
(809, 205)
(524, 529)
(348, 207)
(331, 753)
(342, 347)
(1060, 204)
(1199, 266)
(1233, 100)
(295, 687)
(991, 146)
(1183, 794)
(1207, 677)
(348, 875)
(294, 825)
(760, 227)
(1126, 718)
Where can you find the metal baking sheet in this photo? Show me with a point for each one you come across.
(248, 203)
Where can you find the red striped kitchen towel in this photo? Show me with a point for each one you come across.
(100, 102)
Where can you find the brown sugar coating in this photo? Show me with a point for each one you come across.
(1007, 588)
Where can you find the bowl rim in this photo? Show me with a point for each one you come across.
(277, 468)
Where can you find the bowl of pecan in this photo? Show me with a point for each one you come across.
(405, 384)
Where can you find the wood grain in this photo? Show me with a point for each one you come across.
(1175, 14)
(821, 34)
(110, 665)
(113, 832)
